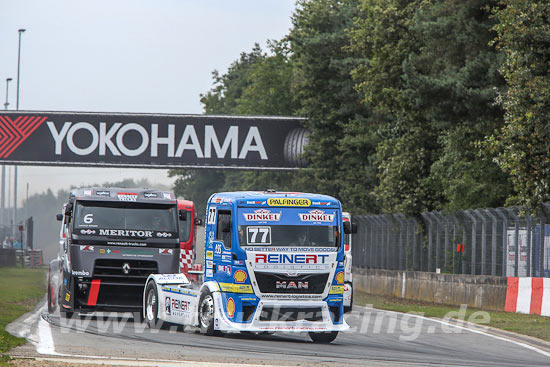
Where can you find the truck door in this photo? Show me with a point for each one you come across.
(222, 250)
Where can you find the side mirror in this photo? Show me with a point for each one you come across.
(198, 222)
(183, 214)
(354, 228)
(347, 227)
(226, 226)
(59, 217)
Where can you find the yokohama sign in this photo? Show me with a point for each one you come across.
(145, 140)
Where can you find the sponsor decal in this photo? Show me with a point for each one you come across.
(230, 307)
(340, 278)
(166, 251)
(179, 306)
(239, 262)
(163, 234)
(291, 259)
(209, 255)
(209, 273)
(226, 258)
(209, 264)
(150, 195)
(212, 215)
(88, 192)
(103, 193)
(101, 251)
(218, 249)
(291, 249)
(81, 273)
(316, 216)
(288, 202)
(167, 305)
(67, 297)
(127, 196)
(87, 248)
(291, 285)
(262, 215)
(218, 200)
(137, 252)
(248, 202)
(337, 289)
(87, 231)
(14, 132)
(240, 276)
(236, 288)
(118, 243)
(125, 233)
(321, 203)
(225, 269)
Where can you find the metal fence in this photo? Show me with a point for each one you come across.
(477, 242)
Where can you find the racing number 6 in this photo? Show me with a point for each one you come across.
(89, 218)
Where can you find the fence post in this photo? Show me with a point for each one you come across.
(529, 246)
(512, 214)
(401, 241)
(473, 249)
(493, 241)
(427, 218)
(504, 215)
(479, 213)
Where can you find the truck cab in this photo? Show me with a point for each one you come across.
(111, 239)
(274, 261)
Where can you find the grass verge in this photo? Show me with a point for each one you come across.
(531, 325)
(20, 290)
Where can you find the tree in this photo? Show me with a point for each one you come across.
(522, 145)
(341, 143)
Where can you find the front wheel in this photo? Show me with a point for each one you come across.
(51, 299)
(206, 313)
(323, 337)
(152, 306)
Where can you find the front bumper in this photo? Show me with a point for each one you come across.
(260, 324)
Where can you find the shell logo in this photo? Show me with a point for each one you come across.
(340, 278)
(230, 307)
(240, 276)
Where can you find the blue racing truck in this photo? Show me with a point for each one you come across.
(274, 261)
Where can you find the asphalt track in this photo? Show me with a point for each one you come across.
(376, 338)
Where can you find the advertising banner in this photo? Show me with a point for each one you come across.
(151, 140)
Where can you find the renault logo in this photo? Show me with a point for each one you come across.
(126, 268)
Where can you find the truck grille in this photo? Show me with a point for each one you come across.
(124, 271)
(299, 284)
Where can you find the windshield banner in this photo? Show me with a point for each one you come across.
(123, 233)
(288, 216)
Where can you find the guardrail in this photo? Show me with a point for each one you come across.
(477, 242)
(26, 258)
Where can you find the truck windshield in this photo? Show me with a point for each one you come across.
(288, 235)
(126, 216)
(292, 227)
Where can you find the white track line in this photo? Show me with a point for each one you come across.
(524, 345)
(45, 340)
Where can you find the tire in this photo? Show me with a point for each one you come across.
(151, 307)
(206, 313)
(323, 337)
(51, 300)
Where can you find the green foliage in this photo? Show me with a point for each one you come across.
(341, 143)
(522, 145)
(432, 78)
(20, 290)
